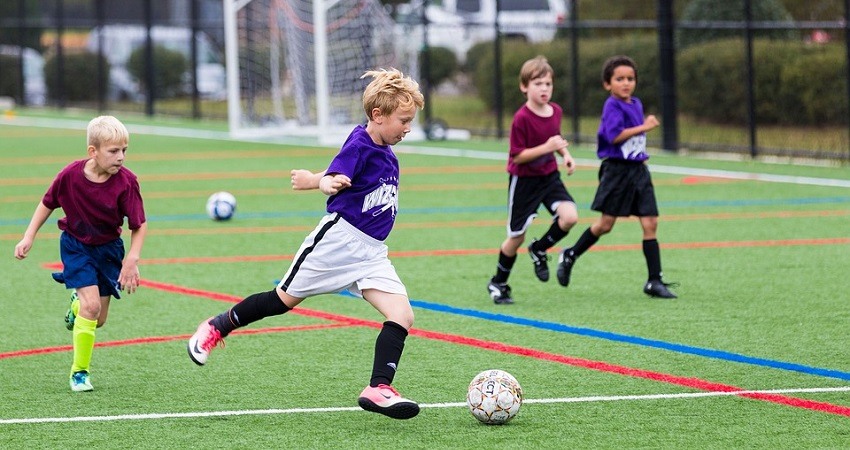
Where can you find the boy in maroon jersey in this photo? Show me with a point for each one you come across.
(96, 195)
(534, 177)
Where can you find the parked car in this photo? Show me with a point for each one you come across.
(119, 41)
(460, 24)
(35, 89)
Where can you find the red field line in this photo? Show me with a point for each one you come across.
(489, 251)
(343, 321)
(694, 383)
(158, 339)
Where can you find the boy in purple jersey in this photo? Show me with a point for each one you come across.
(346, 251)
(534, 177)
(625, 186)
(95, 194)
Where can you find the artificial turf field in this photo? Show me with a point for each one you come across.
(753, 353)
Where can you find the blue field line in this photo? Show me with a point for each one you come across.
(468, 209)
(634, 340)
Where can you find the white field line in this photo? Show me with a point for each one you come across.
(424, 150)
(751, 176)
(255, 412)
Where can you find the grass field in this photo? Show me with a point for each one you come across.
(753, 354)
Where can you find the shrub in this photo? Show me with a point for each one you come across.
(794, 83)
(79, 74)
(10, 85)
(443, 64)
(731, 10)
(169, 67)
(593, 53)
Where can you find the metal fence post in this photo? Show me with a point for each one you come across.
(667, 66)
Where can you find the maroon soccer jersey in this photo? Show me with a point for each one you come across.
(94, 212)
(530, 130)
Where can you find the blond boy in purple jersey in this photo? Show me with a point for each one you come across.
(346, 251)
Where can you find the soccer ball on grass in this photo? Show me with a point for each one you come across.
(494, 397)
(221, 206)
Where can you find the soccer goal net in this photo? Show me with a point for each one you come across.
(294, 66)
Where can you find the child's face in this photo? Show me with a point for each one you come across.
(390, 130)
(109, 157)
(623, 83)
(539, 90)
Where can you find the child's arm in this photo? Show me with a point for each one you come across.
(303, 180)
(129, 277)
(648, 124)
(331, 184)
(553, 144)
(38, 218)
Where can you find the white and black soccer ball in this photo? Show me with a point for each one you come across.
(221, 206)
(494, 397)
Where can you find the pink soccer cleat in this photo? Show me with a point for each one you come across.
(205, 339)
(385, 400)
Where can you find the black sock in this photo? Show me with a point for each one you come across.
(503, 269)
(552, 236)
(388, 348)
(585, 241)
(251, 309)
(652, 253)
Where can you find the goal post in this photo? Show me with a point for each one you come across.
(294, 66)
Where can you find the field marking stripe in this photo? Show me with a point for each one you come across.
(424, 150)
(696, 383)
(659, 168)
(248, 412)
(634, 340)
(689, 382)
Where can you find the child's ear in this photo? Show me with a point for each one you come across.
(91, 150)
(377, 116)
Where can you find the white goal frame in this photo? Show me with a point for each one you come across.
(325, 129)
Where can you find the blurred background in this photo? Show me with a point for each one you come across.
(761, 79)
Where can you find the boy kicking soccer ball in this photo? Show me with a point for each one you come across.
(346, 251)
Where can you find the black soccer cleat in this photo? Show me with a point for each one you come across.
(500, 293)
(540, 260)
(659, 289)
(565, 268)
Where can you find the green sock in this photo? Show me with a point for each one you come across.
(83, 343)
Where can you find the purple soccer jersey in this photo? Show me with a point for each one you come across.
(529, 130)
(618, 115)
(370, 204)
(94, 212)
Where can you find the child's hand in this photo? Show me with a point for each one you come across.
(557, 143)
(650, 122)
(23, 248)
(569, 162)
(129, 278)
(332, 184)
(302, 179)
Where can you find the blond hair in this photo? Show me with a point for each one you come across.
(535, 68)
(390, 90)
(106, 130)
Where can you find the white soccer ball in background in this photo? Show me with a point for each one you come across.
(494, 397)
(221, 206)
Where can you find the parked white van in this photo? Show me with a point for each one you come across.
(460, 24)
(119, 41)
